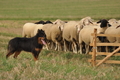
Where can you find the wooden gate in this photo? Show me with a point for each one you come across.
(94, 52)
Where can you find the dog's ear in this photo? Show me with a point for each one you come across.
(41, 31)
(38, 30)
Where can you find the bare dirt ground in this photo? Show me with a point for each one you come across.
(13, 26)
(11, 30)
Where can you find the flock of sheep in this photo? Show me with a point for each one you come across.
(73, 36)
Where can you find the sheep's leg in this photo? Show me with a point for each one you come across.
(74, 47)
(56, 44)
(80, 51)
(52, 45)
(65, 46)
(47, 47)
(87, 49)
(106, 48)
(59, 46)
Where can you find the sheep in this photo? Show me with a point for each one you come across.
(70, 35)
(40, 22)
(47, 28)
(56, 35)
(58, 21)
(43, 22)
(113, 22)
(71, 30)
(53, 33)
(85, 34)
(38, 26)
(28, 30)
(119, 21)
(115, 30)
(87, 21)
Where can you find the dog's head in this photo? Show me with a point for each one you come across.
(41, 37)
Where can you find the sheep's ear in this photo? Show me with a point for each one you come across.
(99, 21)
(109, 25)
(54, 22)
(90, 21)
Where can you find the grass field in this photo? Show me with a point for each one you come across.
(52, 65)
(63, 9)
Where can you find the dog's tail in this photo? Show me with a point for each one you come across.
(8, 47)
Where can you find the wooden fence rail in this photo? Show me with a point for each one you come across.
(95, 62)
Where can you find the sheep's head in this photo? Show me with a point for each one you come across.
(104, 23)
(48, 22)
(79, 27)
(58, 21)
(40, 22)
(86, 21)
(113, 21)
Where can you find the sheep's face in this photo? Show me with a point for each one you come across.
(87, 22)
(79, 27)
(104, 23)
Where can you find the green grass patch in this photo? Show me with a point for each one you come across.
(54, 66)
(9, 34)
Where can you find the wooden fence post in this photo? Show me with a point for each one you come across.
(94, 48)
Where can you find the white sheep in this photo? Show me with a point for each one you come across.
(38, 26)
(71, 31)
(28, 29)
(85, 34)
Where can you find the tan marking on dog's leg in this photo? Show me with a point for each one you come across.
(16, 54)
(34, 57)
(8, 54)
